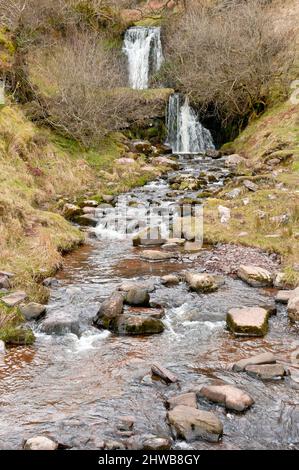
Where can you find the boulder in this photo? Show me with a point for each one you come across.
(266, 371)
(231, 397)
(32, 311)
(250, 185)
(114, 445)
(86, 220)
(164, 161)
(248, 321)
(255, 276)
(137, 296)
(224, 214)
(280, 281)
(70, 211)
(4, 282)
(201, 282)
(293, 307)
(234, 160)
(11, 300)
(40, 443)
(108, 198)
(163, 373)
(192, 424)
(170, 280)
(110, 309)
(153, 255)
(157, 443)
(187, 399)
(89, 210)
(264, 358)
(283, 296)
(60, 323)
(137, 325)
(89, 203)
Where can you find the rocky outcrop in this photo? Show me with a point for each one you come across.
(255, 276)
(231, 397)
(232, 161)
(248, 321)
(192, 424)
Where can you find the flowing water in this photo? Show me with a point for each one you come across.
(75, 388)
(186, 134)
(143, 49)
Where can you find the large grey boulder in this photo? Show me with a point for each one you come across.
(192, 424)
(232, 161)
(248, 321)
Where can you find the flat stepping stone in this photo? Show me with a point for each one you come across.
(153, 255)
(11, 300)
(192, 424)
(186, 399)
(255, 276)
(227, 395)
(266, 371)
(264, 358)
(248, 321)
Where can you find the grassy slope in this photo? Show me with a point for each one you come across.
(273, 135)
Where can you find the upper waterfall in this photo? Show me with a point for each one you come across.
(185, 133)
(143, 49)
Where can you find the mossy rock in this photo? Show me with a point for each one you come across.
(137, 325)
(248, 321)
(17, 336)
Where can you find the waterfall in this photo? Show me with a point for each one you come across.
(143, 49)
(185, 133)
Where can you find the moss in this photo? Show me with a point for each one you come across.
(247, 330)
(17, 336)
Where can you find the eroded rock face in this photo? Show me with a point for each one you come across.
(266, 371)
(192, 424)
(264, 358)
(231, 397)
(32, 311)
(201, 282)
(248, 321)
(40, 443)
(255, 276)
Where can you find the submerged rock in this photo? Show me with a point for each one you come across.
(231, 397)
(163, 373)
(60, 323)
(248, 321)
(264, 358)
(255, 276)
(32, 311)
(187, 399)
(266, 371)
(192, 424)
(201, 282)
(40, 443)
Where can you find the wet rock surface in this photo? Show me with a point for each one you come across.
(231, 397)
(248, 321)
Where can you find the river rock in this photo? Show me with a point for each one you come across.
(201, 282)
(192, 246)
(248, 321)
(157, 443)
(11, 300)
(192, 424)
(266, 371)
(90, 203)
(153, 255)
(4, 282)
(255, 276)
(224, 214)
(40, 443)
(32, 311)
(280, 281)
(250, 185)
(231, 397)
(234, 160)
(167, 162)
(110, 309)
(114, 445)
(60, 323)
(187, 399)
(108, 198)
(148, 236)
(137, 296)
(70, 211)
(86, 220)
(264, 358)
(170, 280)
(293, 308)
(89, 210)
(137, 325)
(126, 423)
(283, 296)
(163, 373)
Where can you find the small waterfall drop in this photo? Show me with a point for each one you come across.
(185, 133)
(143, 49)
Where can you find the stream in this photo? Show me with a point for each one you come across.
(75, 388)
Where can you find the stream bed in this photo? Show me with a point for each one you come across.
(75, 389)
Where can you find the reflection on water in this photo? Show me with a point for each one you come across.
(75, 389)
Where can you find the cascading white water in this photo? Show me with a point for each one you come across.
(185, 133)
(143, 49)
